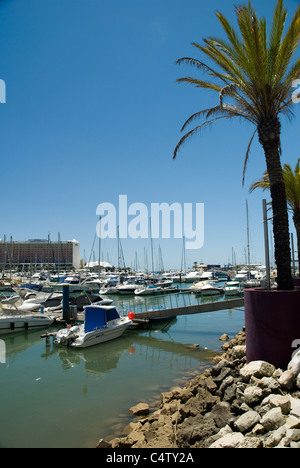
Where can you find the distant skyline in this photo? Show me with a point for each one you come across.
(93, 111)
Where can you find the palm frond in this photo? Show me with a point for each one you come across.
(193, 131)
(247, 157)
(263, 183)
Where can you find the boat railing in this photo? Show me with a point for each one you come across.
(163, 302)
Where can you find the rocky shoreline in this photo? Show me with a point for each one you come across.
(231, 405)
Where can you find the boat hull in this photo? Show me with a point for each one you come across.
(211, 292)
(96, 337)
(14, 324)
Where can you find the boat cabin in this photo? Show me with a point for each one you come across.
(96, 317)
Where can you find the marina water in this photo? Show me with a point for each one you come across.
(55, 396)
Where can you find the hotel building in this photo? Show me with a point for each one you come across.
(39, 252)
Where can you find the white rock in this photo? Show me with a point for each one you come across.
(280, 401)
(272, 419)
(247, 420)
(252, 395)
(292, 422)
(295, 405)
(258, 369)
(294, 364)
(228, 441)
(287, 380)
(275, 437)
(238, 352)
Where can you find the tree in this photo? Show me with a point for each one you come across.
(292, 188)
(255, 73)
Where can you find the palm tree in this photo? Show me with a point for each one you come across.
(292, 188)
(255, 73)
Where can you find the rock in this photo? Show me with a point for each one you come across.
(292, 435)
(211, 385)
(230, 405)
(257, 369)
(228, 441)
(238, 352)
(103, 444)
(220, 414)
(275, 437)
(294, 364)
(141, 409)
(250, 443)
(272, 419)
(247, 421)
(224, 337)
(292, 422)
(253, 395)
(280, 401)
(287, 380)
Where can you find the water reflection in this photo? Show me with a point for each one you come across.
(55, 396)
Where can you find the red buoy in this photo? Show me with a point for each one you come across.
(131, 315)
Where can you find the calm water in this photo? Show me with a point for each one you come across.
(62, 397)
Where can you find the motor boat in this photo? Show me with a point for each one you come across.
(197, 287)
(101, 324)
(72, 279)
(233, 288)
(111, 286)
(147, 291)
(131, 286)
(11, 321)
(193, 276)
(242, 275)
(9, 298)
(211, 290)
(34, 301)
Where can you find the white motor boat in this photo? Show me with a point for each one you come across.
(9, 299)
(233, 288)
(211, 290)
(102, 323)
(147, 291)
(197, 287)
(109, 290)
(35, 300)
(193, 276)
(131, 286)
(11, 321)
(242, 275)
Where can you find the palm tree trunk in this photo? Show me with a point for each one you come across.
(296, 219)
(269, 137)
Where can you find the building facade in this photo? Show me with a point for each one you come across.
(39, 252)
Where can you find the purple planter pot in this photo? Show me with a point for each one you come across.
(297, 282)
(272, 320)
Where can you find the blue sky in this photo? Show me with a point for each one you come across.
(93, 111)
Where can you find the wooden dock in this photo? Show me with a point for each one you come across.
(165, 314)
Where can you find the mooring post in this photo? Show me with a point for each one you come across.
(66, 313)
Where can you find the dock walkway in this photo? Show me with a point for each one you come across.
(164, 314)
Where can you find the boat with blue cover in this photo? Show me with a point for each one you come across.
(101, 324)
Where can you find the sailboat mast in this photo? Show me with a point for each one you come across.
(99, 254)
